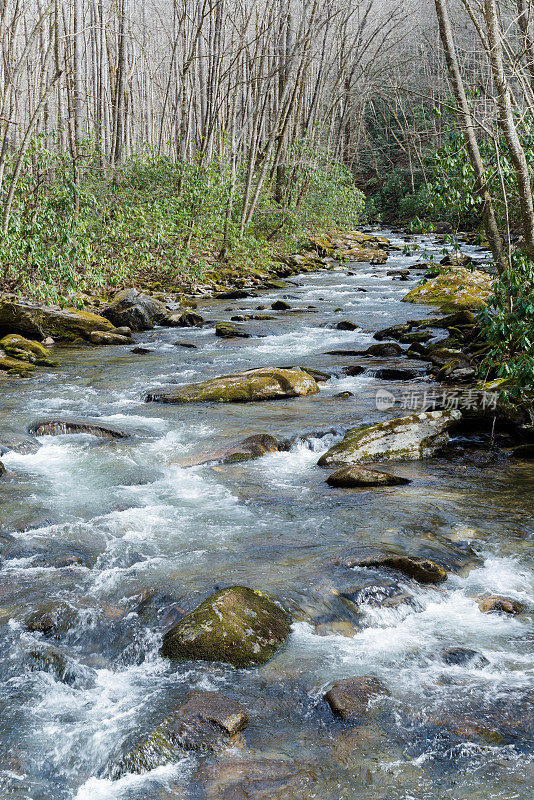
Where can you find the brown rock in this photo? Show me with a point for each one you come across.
(505, 605)
(420, 569)
(350, 698)
(356, 476)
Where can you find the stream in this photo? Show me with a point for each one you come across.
(152, 539)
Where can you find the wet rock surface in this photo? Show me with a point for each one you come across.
(136, 310)
(251, 386)
(237, 625)
(422, 570)
(37, 322)
(350, 698)
(405, 438)
(58, 427)
(356, 476)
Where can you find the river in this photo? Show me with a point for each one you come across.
(151, 539)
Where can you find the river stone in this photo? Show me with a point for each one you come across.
(23, 349)
(378, 596)
(354, 371)
(52, 618)
(252, 447)
(351, 697)
(455, 287)
(346, 325)
(456, 259)
(37, 322)
(266, 383)
(227, 330)
(207, 721)
(384, 350)
(184, 319)
(107, 337)
(391, 374)
(460, 656)
(58, 427)
(17, 442)
(133, 309)
(356, 476)
(394, 332)
(2, 469)
(280, 305)
(15, 366)
(405, 438)
(237, 625)
(506, 605)
(525, 452)
(421, 570)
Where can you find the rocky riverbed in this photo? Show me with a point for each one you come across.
(260, 551)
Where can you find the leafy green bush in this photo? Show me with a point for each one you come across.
(508, 326)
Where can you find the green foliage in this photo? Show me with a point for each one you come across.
(161, 221)
(508, 325)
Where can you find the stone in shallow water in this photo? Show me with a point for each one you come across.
(269, 383)
(460, 656)
(384, 350)
(58, 427)
(350, 698)
(237, 625)
(420, 569)
(505, 605)
(185, 319)
(229, 330)
(393, 374)
(356, 476)
(53, 618)
(207, 721)
(405, 438)
(252, 447)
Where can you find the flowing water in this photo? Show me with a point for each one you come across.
(155, 538)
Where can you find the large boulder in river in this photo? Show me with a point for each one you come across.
(237, 625)
(403, 439)
(455, 287)
(267, 383)
(37, 322)
(252, 447)
(135, 310)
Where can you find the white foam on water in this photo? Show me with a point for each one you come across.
(105, 789)
(304, 341)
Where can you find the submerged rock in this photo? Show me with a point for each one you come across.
(394, 332)
(384, 350)
(356, 476)
(18, 442)
(378, 596)
(237, 625)
(505, 605)
(52, 618)
(136, 310)
(37, 322)
(229, 330)
(252, 447)
(405, 438)
(207, 721)
(421, 570)
(460, 656)
(268, 383)
(58, 427)
(351, 698)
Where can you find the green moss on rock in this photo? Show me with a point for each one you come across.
(237, 625)
(456, 287)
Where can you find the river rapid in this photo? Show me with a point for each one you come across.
(155, 538)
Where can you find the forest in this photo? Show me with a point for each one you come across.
(266, 399)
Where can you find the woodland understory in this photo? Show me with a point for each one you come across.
(145, 143)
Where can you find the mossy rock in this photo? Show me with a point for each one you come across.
(25, 350)
(402, 439)
(237, 625)
(36, 321)
(456, 287)
(15, 367)
(269, 383)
